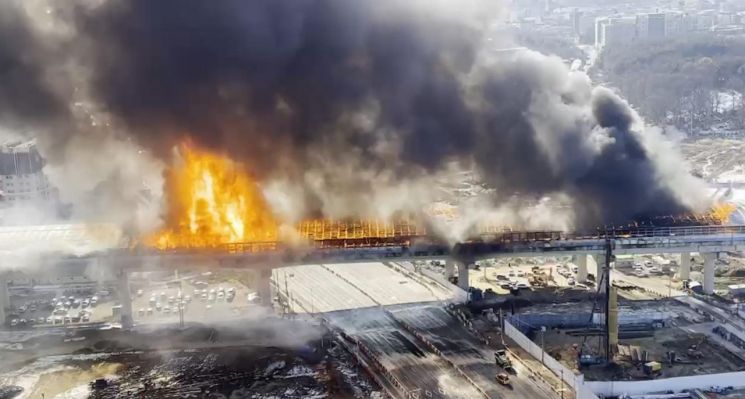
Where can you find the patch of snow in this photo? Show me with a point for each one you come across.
(274, 367)
(727, 100)
(300, 371)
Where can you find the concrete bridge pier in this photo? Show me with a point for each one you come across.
(125, 298)
(463, 275)
(264, 285)
(597, 270)
(684, 272)
(709, 268)
(449, 269)
(581, 262)
(4, 299)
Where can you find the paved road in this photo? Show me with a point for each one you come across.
(419, 370)
(358, 300)
(460, 347)
(318, 290)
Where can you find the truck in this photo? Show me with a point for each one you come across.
(652, 368)
(502, 360)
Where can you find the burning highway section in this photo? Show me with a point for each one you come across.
(212, 200)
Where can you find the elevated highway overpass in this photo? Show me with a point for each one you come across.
(264, 256)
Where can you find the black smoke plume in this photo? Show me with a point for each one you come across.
(341, 99)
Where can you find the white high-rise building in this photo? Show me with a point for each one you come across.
(22, 180)
(614, 30)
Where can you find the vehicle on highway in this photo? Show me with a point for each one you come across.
(502, 360)
(503, 378)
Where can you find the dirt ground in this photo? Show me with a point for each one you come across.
(201, 361)
(715, 359)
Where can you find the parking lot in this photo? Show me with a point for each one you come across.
(62, 309)
(503, 275)
(194, 299)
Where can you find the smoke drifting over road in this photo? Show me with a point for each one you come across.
(349, 107)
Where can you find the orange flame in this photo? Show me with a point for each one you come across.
(722, 212)
(212, 201)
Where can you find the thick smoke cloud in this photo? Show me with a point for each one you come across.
(355, 107)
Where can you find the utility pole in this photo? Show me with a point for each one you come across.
(501, 325)
(606, 273)
(543, 350)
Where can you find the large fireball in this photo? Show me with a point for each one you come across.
(212, 200)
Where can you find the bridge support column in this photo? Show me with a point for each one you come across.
(463, 275)
(263, 286)
(4, 299)
(449, 269)
(125, 299)
(684, 273)
(581, 262)
(597, 270)
(709, 272)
